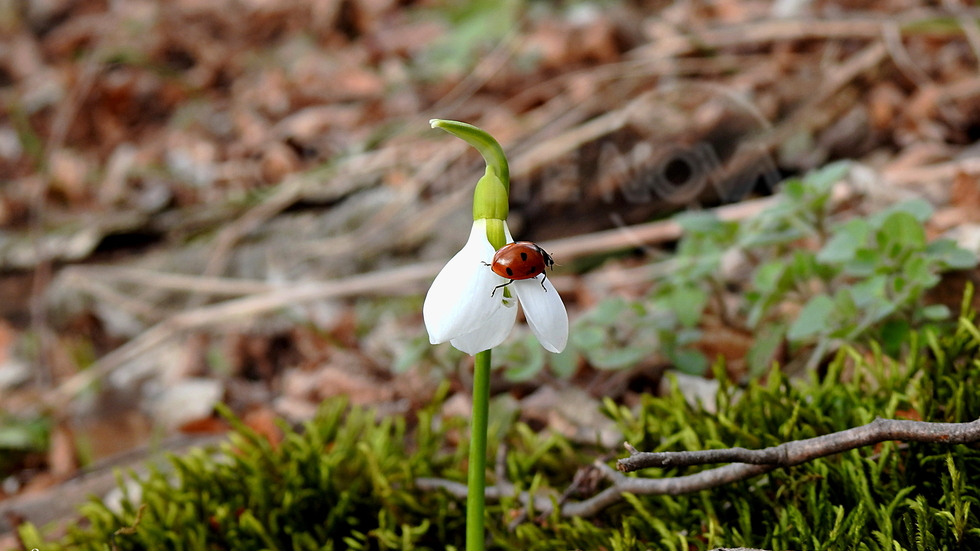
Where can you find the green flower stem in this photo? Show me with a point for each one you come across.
(477, 482)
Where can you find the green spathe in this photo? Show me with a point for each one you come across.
(492, 153)
(490, 199)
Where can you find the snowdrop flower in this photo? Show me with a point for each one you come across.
(463, 307)
(474, 308)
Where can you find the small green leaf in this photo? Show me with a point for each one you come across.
(23, 435)
(951, 255)
(618, 358)
(15, 438)
(845, 306)
(920, 209)
(865, 263)
(846, 241)
(689, 361)
(812, 319)
(903, 229)
(762, 351)
(564, 364)
(688, 304)
(936, 312)
(773, 237)
(609, 310)
(768, 275)
(803, 265)
(869, 291)
(525, 362)
(588, 338)
(699, 222)
(410, 356)
(828, 175)
(793, 189)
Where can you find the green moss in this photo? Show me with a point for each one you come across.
(346, 479)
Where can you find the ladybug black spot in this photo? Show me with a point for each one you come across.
(510, 272)
(524, 257)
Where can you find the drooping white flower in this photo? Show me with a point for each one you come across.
(462, 306)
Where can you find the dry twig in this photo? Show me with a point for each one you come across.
(801, 451)
(928, 173)
(750, 463)
(892, 36)
(621, 484)
(776, 30)
(285, 195)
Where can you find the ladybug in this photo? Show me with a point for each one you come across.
(520, 260)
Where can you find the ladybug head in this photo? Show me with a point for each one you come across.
(548, 261)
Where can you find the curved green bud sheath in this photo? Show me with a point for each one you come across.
(490, 198)
(492, 153)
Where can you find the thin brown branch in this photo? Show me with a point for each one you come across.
(621, 484)
(285, 195)
(678, 485)
(238, 310)
(892, 36)
(780, 30)
(938, 171)
(150, 279)
(746, 464)
(801, 451)
(967, 23)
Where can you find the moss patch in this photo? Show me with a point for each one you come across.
(346, 479)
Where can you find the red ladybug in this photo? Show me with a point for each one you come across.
(520, 260)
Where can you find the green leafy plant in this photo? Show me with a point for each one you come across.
(473, 27)
(856, 278)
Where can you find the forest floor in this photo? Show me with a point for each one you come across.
(242, 200)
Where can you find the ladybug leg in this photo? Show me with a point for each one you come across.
(499, 286)
(542, 281)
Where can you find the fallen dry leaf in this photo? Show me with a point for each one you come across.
(62, 460)
(263, 421)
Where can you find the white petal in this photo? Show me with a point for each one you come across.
(459, 300)
(510, 238)
(491, 333)
(544, 311)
